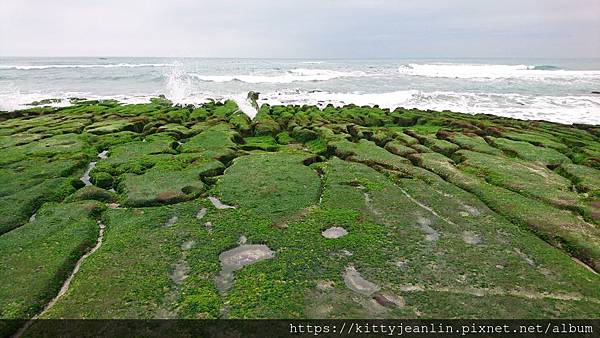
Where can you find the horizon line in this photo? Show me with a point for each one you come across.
(304, 58)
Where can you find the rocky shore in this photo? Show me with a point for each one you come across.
(435, 214)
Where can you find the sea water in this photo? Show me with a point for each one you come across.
(555, 90)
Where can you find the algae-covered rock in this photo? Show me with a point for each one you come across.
(266, 143)
(399, 149)
(280, 184)
(303, 134)
(17, 208)
(529, 152)
(38, 257)
(101, 179)
(165, 186)
(216, 142)
(113, 126)
(368, 152)
(92, 193)
(363, 212)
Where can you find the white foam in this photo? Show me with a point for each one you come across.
(486, 71)
(118, 65)
(294, 75)
(15, 99)
(562, 109)
(244, 104)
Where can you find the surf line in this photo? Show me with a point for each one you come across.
(65, 287)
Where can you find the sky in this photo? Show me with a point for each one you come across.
(301, 28)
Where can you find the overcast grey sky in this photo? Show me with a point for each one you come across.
(307, 28)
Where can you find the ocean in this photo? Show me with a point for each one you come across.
(557, 90)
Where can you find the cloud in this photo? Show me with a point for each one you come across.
(309, 28)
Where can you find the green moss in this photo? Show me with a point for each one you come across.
(101, 179)
(472, 235)
(38, 256)
(529, 152)
(113, 126)
(280, 184)
(216, 141)
(559, 227)
(266, 143)
(16, 209)
(474, 143)
(161, 185)
(399, 149)
(304, 134)
(441, 146)
(128, 275)
(264, 124)
(92, 193)
(284, 138)
(242, 123)
(368, 152)
(175, 130)
(539, 139)
(526, 178)
(585, 178)
(421, 148)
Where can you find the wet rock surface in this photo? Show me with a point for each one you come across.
(355, 282)
(431, 235)
(217, 203)
(334, 232)
(238, 257)
(374, 213)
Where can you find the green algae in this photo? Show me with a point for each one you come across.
(529, 152)
(163, 186)
(450, 214)
(280, 184)
(38, 256)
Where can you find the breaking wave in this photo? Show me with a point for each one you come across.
(293, 75)
(573, 109)
(487, 71)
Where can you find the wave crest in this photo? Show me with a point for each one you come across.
(487, 71)
(293, 75)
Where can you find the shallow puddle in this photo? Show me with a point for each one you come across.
(471, 210)
(430, 233)
(180, 272)
(171, 221)
(355, 282)
(187, 245)
(103, 155)
(217, 204)
(400, 262)
(236, 258)
(201, 213)
(85, 178)
(471, 238)
(334, 232)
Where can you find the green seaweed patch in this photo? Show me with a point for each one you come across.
(37, 257)
(17, 208)
(280, 184)
(161, 185)
(528, 151)
(266, 143)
